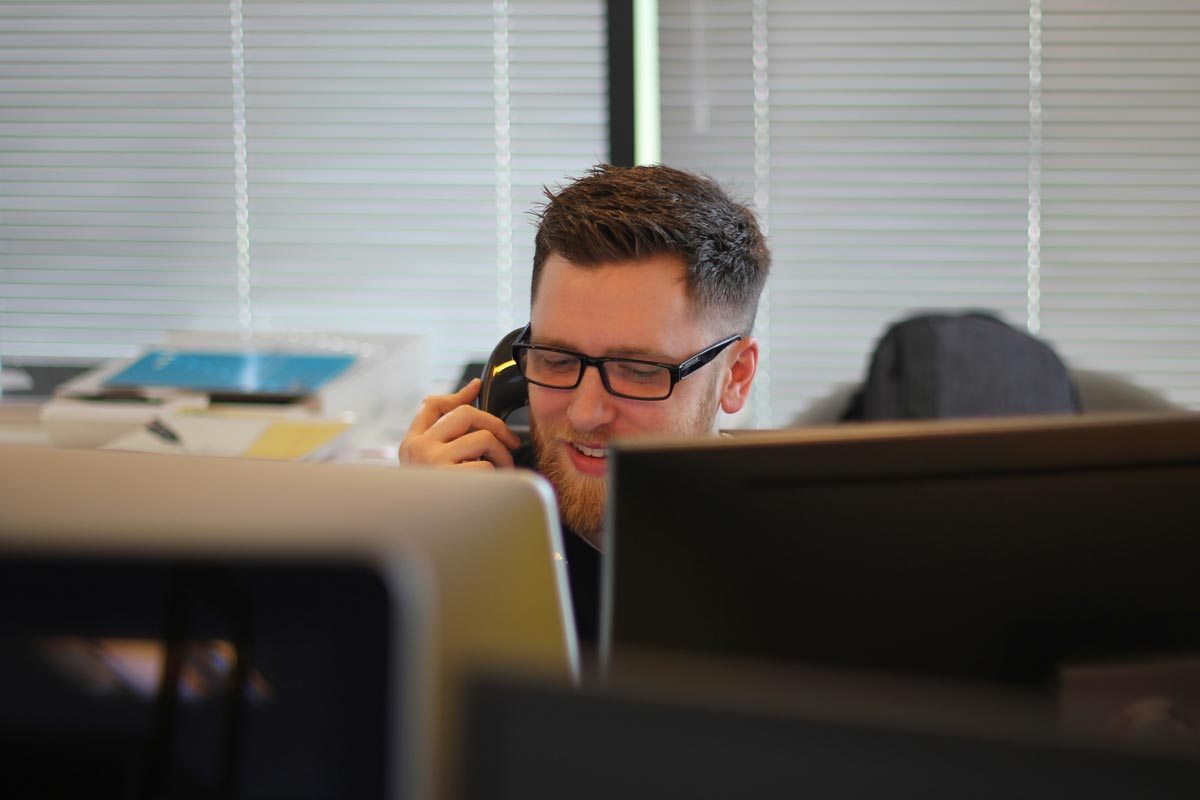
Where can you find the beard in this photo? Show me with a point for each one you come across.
(581, 498)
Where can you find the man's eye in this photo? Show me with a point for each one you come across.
(641, 373)
(555, 361)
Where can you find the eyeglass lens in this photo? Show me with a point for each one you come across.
(562, 370)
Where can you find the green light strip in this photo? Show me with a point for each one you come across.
(647, 127)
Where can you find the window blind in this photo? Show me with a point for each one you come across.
(952, 155)
(116, 190)
(1120, 210)
(285, 166)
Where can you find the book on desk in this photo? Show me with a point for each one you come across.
(259, 374)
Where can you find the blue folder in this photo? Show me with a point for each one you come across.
(275, 374)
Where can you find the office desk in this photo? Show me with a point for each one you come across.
(19, 423)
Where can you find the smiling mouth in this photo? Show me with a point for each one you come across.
(590, 452)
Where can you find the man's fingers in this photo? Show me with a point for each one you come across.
(476, 445)
(459, 450)
(437, 406)
(464, 419)
(475, 466)
(448, 430)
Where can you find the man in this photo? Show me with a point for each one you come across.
(645, 285)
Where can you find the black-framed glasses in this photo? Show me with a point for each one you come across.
(632, 378)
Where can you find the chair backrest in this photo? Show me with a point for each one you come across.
(961, 365)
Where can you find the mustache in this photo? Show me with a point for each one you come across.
(600, 438)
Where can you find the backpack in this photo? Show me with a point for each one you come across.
(961, 365)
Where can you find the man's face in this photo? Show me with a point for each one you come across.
(635, 310)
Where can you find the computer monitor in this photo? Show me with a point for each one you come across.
(1056, 556)
(657, 736)
(88, 644)
(364, 595)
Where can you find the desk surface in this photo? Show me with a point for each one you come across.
(19, 423)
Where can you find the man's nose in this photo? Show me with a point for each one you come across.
(591, 405)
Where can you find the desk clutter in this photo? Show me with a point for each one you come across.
(280, 396)
(245, 433)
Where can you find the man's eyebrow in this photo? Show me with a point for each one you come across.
(642, 353)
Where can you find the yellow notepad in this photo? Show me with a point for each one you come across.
(293, 440)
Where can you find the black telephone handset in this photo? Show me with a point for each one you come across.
(504, 391)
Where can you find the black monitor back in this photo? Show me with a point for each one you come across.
(1058, 555)
(235, 677)
(648, 737)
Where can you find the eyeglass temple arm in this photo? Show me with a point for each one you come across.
(700, 359)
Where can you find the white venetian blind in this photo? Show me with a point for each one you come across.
(116, 184)
(307, 165)
(953, 154)
(1120, 228)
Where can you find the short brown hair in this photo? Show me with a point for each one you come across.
(614, 214)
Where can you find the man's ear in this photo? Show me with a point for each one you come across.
(739, 375)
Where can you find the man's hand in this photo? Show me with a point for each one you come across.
(449, 432)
